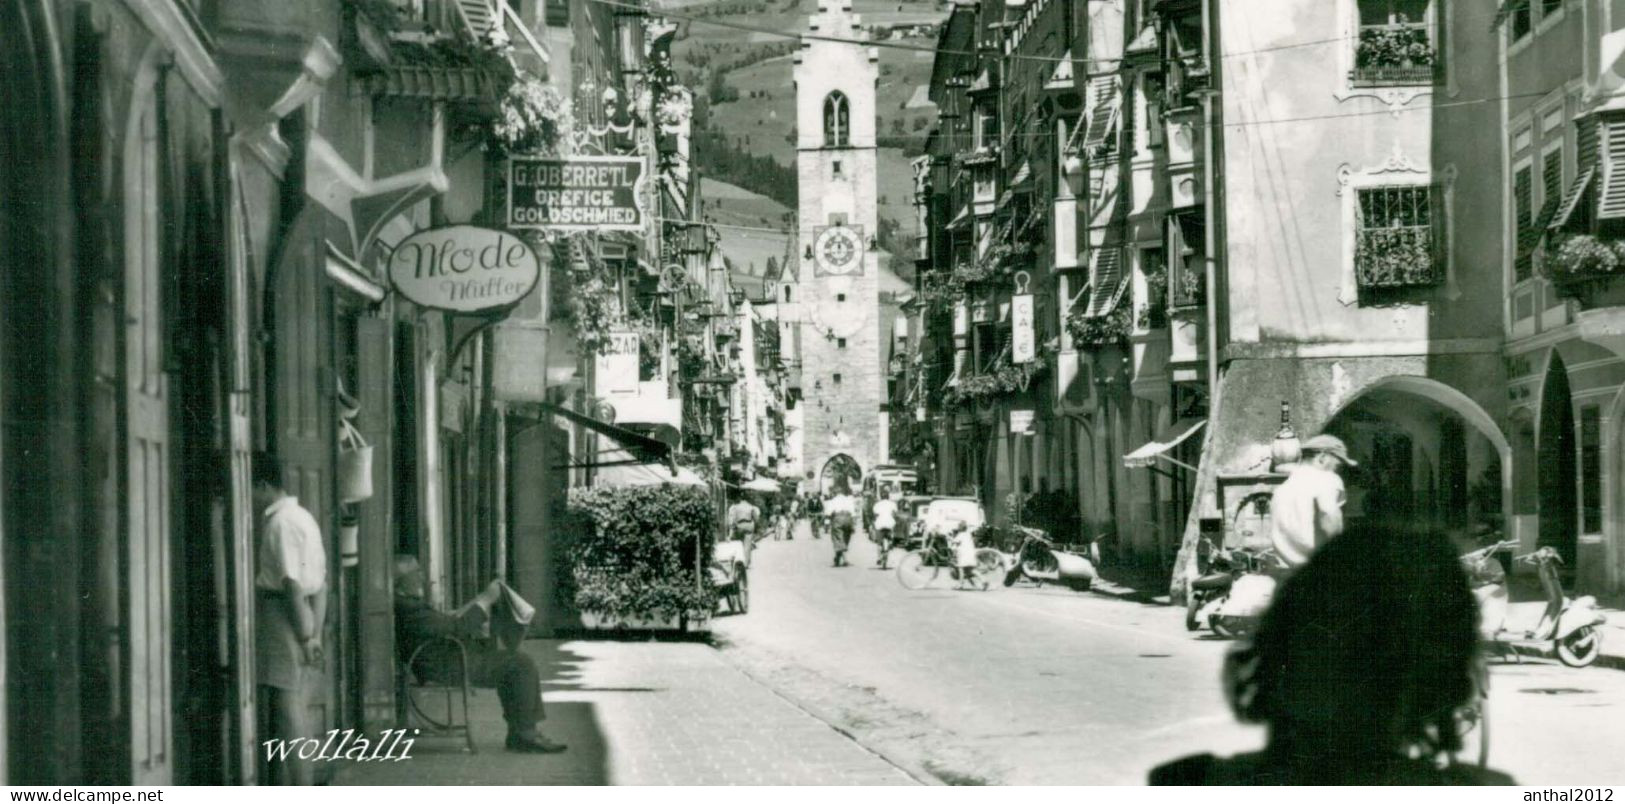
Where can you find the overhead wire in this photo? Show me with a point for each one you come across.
(896, 45)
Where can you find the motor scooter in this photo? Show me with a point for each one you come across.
(1237, 610)
(1040, 561)
(1569, 625)
(1221, 567)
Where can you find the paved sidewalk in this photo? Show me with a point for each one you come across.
(645, 713)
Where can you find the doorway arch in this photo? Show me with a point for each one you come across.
(841, 470)
(1557, 457)
(1428, 445)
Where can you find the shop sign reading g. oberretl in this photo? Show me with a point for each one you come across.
(575, 193)
(464, 269)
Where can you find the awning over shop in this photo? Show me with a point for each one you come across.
(1147, 455)
(959, 220)
(620, 469)
(639, 447)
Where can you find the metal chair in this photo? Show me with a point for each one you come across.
(411, 682)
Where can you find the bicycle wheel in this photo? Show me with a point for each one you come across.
(913, 572)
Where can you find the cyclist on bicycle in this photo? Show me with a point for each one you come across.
(814, 508)
(885, 518)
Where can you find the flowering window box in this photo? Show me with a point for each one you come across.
(1398, 54)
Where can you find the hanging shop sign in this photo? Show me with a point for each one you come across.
(464, 269)
(575, 194)
(1021, 422)
(618, 364)
(1022, 346)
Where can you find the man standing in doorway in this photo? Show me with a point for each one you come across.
(291, 607)
(1306, 511)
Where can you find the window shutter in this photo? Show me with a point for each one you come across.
(1439, 222)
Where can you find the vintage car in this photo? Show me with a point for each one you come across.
(946, 514)
(913, 507)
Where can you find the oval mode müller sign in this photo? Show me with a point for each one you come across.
(464, 269)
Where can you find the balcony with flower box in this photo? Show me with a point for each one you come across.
(1399, 54)
(459, 50)
(1587, 268)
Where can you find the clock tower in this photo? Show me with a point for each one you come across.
(837, 277)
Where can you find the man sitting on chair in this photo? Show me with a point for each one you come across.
(510, 672)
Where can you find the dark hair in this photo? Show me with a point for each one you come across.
(1370, 647)
(267, 470)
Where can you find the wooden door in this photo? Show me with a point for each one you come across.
(147, 492)
(374, 389)
(303, 413)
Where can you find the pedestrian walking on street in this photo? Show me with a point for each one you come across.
(885, 526)
(1357, 675)
(1306, 511)
(290, 579)
(842, 510)
(744, 521)
(964, 547)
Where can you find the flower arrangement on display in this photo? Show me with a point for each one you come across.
(1155, 313)
(588, 301)
(675, 109)
(1003, 378)
(1100, 331)
(1583, 256)
(1400, 256)
(1401, 45)
(534, 118)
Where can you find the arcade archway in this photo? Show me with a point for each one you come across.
(840, 472)
(1428, 454)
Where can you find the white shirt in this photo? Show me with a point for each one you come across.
(290, 548)
(1295, 512)
(841, 503)
(885, 514)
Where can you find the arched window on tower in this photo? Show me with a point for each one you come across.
(837, 125)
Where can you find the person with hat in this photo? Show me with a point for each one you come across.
(511, 673)
(1306, 511)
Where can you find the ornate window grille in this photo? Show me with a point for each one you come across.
(1400, 238)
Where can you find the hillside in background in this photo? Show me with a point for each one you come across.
(746, 124)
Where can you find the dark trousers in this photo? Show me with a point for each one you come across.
(517, 682)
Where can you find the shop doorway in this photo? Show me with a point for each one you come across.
(1556, 465)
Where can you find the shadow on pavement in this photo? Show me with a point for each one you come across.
(443, 762)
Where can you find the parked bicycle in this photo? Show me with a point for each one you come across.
(923, 567)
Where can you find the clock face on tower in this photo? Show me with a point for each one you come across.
(839, 251)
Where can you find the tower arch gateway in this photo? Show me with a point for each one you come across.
(837, 269)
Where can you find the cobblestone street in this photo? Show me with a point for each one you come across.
(1046, 685)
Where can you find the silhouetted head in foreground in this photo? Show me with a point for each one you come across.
(1358, 669)
(1368, 648)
